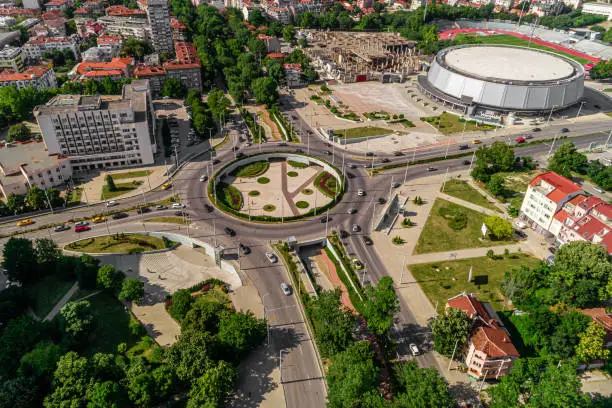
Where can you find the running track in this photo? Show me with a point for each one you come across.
(449, 34)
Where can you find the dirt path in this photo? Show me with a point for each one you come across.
(276, 134)
(335, 280)
(286, 195)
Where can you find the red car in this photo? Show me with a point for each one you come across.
(520, 140)
(82, 228)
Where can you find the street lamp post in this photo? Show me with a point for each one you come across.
(580, 108)
(280, 362)
(550, 114)
(266, 316)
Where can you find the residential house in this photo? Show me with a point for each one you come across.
(39, 77)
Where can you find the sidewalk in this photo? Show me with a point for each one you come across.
(61, 303)
(467, 204)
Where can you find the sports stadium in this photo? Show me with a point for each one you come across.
(480, 79)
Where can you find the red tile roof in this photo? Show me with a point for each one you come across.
(47, 40)
(119, 10)
(114, 64)
(561, 216)
(176, 24)
(108, 39)
(110, 72)
(588, 226)
(600, 315)
(143, 70)
(469, 304)
(276, 55)
(494, 342)
(605, 209)
(186, 56)
(29, 74)
(562, 186)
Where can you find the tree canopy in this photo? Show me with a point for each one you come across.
(380, 305)
(450, 330)
(567, 159)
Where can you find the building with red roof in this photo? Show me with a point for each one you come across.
(489, 353)
(186, 66)
(154, 73)
(604, 319)
(116, 67)
(122, 11)
(545, 196)
(35, 48)
(38, 77)
(57, 5)
(179, 29)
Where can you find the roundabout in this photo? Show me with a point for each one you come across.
(276, 187)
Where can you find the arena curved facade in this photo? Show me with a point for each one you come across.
(503, 79)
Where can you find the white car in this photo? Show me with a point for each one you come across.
(360, 193)
(111, 203)
(271, 257)
(285, 288)
(81, 223)
(178, 206)
(520, 224)
(203, 178)
(414, 349)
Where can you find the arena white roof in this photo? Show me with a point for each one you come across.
(508, 63)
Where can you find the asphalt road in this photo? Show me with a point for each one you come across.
(303, 383)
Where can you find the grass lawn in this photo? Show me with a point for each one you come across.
(464, 191)
(296, 164)
(511, 40)
(121, 243)
(121, 188)
(436, 279)
(366, 131)
(229, 195)
(132, 174)
(74, 196)
(518, 182)
(168, 220)
(327, 184)
(438, 236)
(167, 201)
(112, 325)
(46, 293)
(448, 123)
(252, 169)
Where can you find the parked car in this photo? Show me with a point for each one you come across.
(431, 169)
(161, 207)
(244, 250)
(178, 205)
(564, 130)
(82, 228)
(414, 349)
(80, 223)
(25, 222)
(367, 240)
(271, 257)
(285, 288)
(598, 190)
(143, 210)
(519, 140)
(118, 216)
(112, 203)
(463, 147)
(520, 224)
(60, 228)
(209, 207)
(229, 231)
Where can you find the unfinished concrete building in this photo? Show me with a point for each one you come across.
(356, 57)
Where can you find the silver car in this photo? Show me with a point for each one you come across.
(286, 289)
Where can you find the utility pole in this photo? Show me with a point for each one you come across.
(472, 161)
(552, 145)
(453, 356)
(608, 140)
(444, 182)
(373, 213)
(580, 108)
(48, 201)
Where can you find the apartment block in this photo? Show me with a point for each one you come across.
(489, 352)
(36, 48)
(97, 132)
(31, 4)
(127, 27)
(12, 58)
(186, 67)
(546, 194)
(38, 77)
(161, 29)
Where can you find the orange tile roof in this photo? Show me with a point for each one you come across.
(143, 70)
(469, 304)
(605, 209)
(110, 72)
(107, 39)
(33, 72)
(43, 39)
(114, 64)
(494, 342)
(295, 67)
(81, 10)
(56, 3)
(276, 55)
(186, 56)
(176, 24)
(561, 216)
(120, 10)
(563, 186)
(600, 315)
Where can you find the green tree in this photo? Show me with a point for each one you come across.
(164, 379)
(204, 315)
(264, 90)
(107, 394)
(19, 392)
(36, 198)
(77, 318)
(71, 381)
(181, 303)
(190, 356)
(86, 271)
(19, 260)
(333, 323)
(15, 202)
(218, 104)
(567, 159)
(110, 279)
(132, 290)
(47, 254)
(18, 337)
(240, 333)
(174, 88)
(41, 361)
(421, 387)
(289, 33)
(351, 376)
(211, 389)
(600, 174)
(19, 133)
(450, 331)
(498, 227)
(136, 48)
(110, 183)
(380, 305)
(494, 159)
(592, 344)
(496, 185)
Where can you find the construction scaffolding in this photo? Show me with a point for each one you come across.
(356, 57)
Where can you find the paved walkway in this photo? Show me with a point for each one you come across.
(285, 191)
(469, 205)
(335, 280)
(463, 253)
(62, 302)
(487, 195)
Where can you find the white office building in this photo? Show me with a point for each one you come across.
(97, 132)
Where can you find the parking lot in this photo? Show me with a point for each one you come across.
(182, 134)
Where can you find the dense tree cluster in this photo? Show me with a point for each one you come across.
(201, 116)
(568, 159)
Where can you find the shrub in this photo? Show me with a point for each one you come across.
(292, 174)
(406, 223)
(263, 180)
(490, 254)
(252, 169)
(302, 204)
(253, 193)
(307, 191)
(397, 240)
(297, 164)
(269, 207)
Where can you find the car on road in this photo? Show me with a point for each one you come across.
(476, 141)
(357, 264)
(398, 153)
(352, 166)
(598, 190)
(385, 160)
(25, 222)
(119, 215)
(244, 250)
(239, 155)
(519, 224)
(396, 184)
(229, 231)
(370, 154)
(431, 169)
(143, 210)
(360, 193)
(367, 240)
(529, 136)
(464, 147)
(161, 207)
(216, 161)
(271, 257)
(536, 129)
(351, 211)
(203, 178)
(414, 349)
(356, 228)
(178, 205)
(60, 228)
(80, 223)
(98, 219)
(209, 207)
(467, 162)
(112, 203)
(282, 144)
(181, 214)
(324, 219)
(552, 249)
(166, 186)
(343, 234)
(82, 228)
(285, 288)
(381, 200)
(519, 140)
(564, 130)
(327, 152)
(350, 175)
(299, 151)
